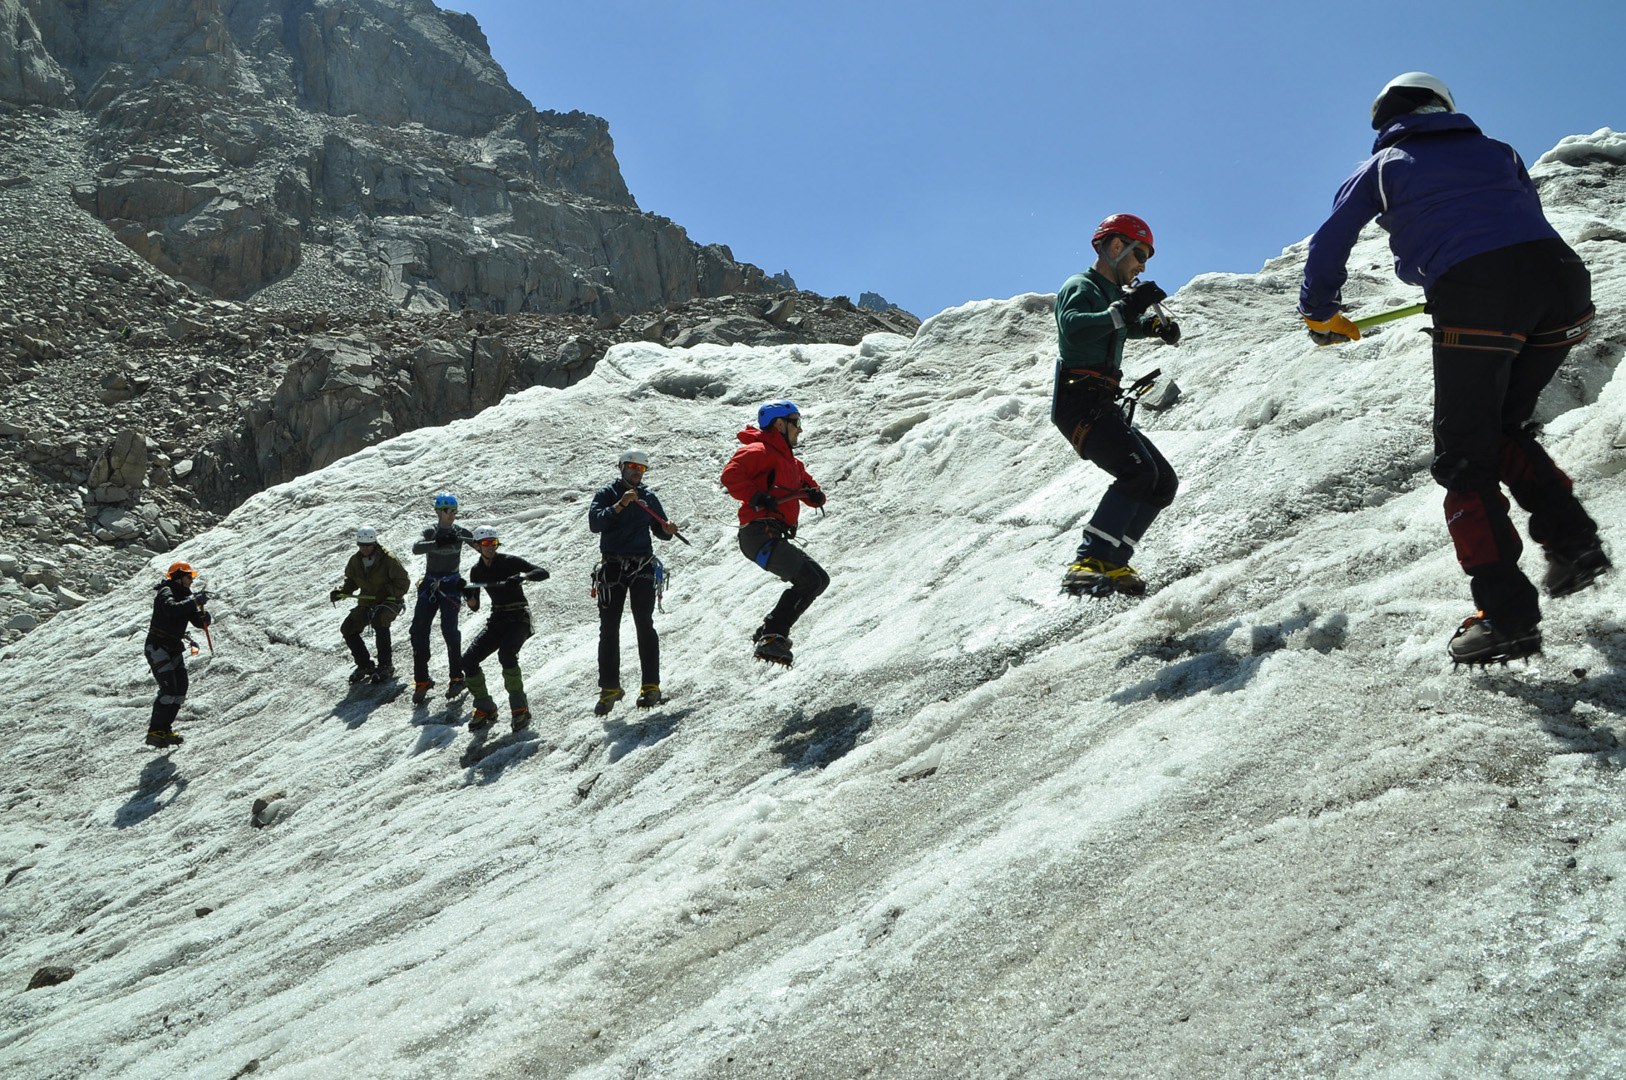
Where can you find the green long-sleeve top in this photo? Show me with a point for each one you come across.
(381, 577)
(1087, 333)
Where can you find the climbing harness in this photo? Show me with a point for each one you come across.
(626, 570)
(1565, 335)
(433, 584)
(1125, 398)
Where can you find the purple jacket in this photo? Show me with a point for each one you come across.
(1442, 190)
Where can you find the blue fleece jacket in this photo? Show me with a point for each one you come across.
(1442, 190)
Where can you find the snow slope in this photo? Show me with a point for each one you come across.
(1249, 826)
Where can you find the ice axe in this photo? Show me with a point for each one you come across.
(1389, 316)
(1164, 316)
(206, 635)
(1137, 390)
(663, 521)
(1142, 385)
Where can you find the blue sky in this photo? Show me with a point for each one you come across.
(939, 153)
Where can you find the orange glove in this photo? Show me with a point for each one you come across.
(1333, 330)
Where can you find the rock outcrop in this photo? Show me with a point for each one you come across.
(368, 147)
(367, 379)
(240, 239)
(134, 411)
(29, 75)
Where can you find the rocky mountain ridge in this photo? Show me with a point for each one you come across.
(363, 145)
(135, 411)
(245, 238)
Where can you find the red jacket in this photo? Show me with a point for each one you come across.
(766, 463)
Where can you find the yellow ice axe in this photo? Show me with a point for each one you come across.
(1389, 316)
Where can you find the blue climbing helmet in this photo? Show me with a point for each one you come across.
(446, 501)
(774, 410)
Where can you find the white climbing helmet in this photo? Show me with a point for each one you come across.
(1409, 91)
(482, 533)
(366, 535)
(634, 457)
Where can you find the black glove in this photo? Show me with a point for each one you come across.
(471, 597)
(205, 619)
(812, 496)
(1141, 297)
(1167, 329)
(536, 575)
(764, 502)
(335, 596)
(200, 598)
(445, 536)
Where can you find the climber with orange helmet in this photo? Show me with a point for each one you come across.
(173, 608)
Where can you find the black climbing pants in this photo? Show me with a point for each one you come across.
(616, 581)
(377, 616)
(168, 662)
(762, 543)
(1503, 323)
(503, 634)
(1143, 481)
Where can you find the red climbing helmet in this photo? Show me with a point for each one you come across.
(1129, 227)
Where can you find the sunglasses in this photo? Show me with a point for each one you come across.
(487, 543)
(794, 421)
(635, 467)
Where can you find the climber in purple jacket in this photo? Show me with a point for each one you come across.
(1509, 298)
